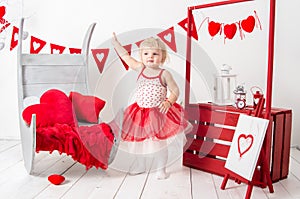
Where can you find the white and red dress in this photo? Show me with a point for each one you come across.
(144, 125)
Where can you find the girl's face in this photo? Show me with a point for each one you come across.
(151, 57)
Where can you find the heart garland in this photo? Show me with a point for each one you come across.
(230, 30)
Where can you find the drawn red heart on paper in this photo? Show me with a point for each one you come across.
(244, 143)
(248, 24)
(213, 28)
(230, 30)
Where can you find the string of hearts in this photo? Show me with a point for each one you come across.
(230, 30)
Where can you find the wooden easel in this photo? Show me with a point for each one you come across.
(262, 161)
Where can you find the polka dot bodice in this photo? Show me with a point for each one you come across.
(150, 91)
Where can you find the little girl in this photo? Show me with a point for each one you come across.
(153, 118)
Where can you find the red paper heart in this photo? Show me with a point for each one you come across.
(248, 24)
(230, 30)
(2, 11)
(56, 179)
(213, 28)
(243, 143)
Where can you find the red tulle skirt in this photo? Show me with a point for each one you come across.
(148, 123)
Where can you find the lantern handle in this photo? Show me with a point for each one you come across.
(257, 87)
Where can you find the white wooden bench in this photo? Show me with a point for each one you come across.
(40, 72)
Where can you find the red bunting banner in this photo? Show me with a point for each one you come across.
(2, 20)
(75, 50)
(57, 49)
(168, 37)
(36, 45)
(4, 27)
(14, 38)
(100, 56)
(184, 25)
(128, 49)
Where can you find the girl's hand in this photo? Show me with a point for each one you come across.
(114, 39)
(164, 106)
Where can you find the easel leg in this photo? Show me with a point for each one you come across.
(249, 191)
(224, 181)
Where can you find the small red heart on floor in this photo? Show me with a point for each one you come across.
(56, 179)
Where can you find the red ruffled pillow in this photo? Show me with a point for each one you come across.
(55, 107)
(87, 108)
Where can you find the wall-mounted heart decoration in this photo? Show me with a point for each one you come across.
(248, 24)
(230, 30)
(214, 28)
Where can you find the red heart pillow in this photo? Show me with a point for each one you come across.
(248, 24)
(55, 107)
(87, 108)
(213, 28)
(56, 179)
(230, 30)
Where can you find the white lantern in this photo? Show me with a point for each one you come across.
(224, 85)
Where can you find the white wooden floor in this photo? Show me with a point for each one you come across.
(183, 183)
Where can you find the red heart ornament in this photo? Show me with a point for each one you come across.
(248, 24)
(230, 30)
(56, 179)
(55, 107)
(244, 143)
(213, 28)
(2, 11)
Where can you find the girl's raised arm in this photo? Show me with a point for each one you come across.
(122, 52)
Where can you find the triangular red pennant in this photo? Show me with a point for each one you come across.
(168, 37)
(75, 50)
(55, 48)
(138, 43)
(100, 56)
(184, 24)
(128, 49)
(14, 38)
(4, 27)
(36, 45)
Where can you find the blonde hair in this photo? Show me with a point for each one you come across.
(156, 43)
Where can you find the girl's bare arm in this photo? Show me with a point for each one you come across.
(130, 61)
